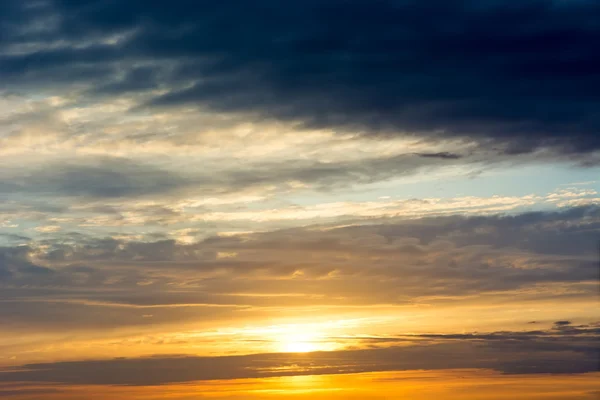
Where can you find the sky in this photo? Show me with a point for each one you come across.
(324, 199)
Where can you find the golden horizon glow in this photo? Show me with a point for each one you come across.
(416, 385)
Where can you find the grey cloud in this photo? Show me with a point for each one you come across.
(100, 178)
(356, 265)
(112, 177)
(105, 178)
(14, 263)
(325, 176)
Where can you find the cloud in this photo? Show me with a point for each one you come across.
(445, 69)
(100, 178)
(562, 323)
(85, 282)
(23, 391)
(503, 352)
(105, 177)
(444, 155)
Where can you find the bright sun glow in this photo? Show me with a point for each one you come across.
(298, 341)
(300, 337)
(297, 346)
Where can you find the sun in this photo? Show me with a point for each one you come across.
(298, 347)
(298, 342)
(296, 338)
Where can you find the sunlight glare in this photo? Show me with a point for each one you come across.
(293, 346)
(298, 342)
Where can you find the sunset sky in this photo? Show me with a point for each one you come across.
(308, 199)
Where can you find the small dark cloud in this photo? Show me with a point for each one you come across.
(443, 155)
(562, 323)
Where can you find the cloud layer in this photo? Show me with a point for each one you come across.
(561, 350)
(442, 69)
(91, 283)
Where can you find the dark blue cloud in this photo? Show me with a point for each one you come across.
(512, 75)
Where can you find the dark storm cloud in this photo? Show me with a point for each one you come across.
(565, 353)
(511, 75)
